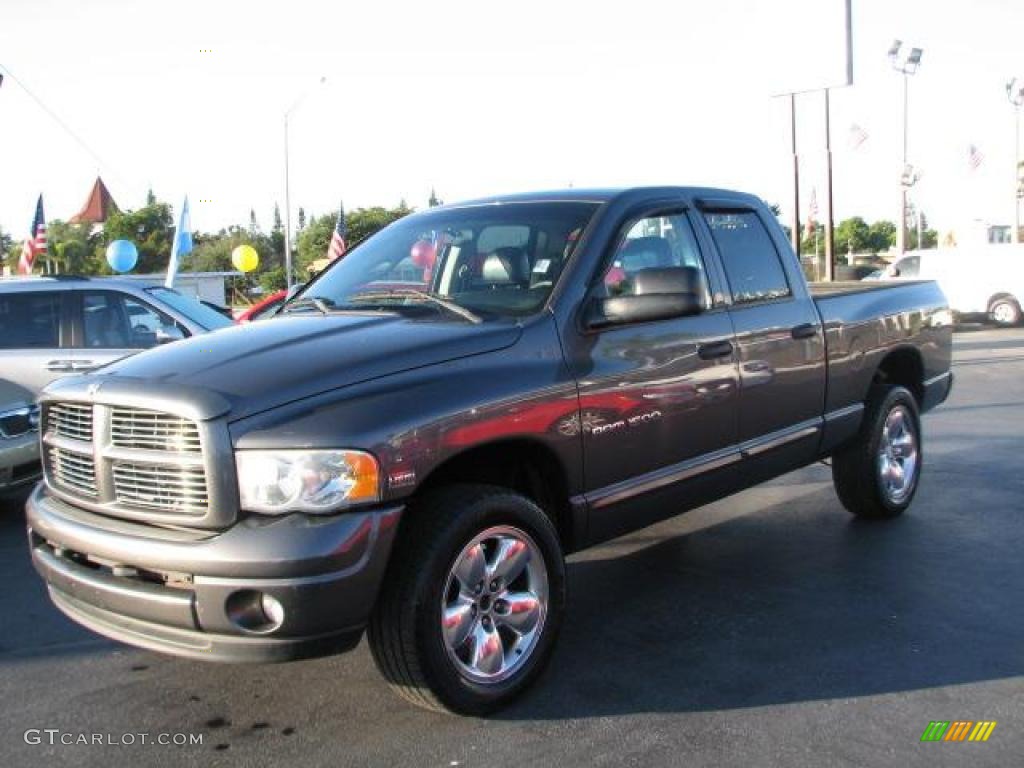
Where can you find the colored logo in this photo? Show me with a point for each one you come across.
(958, 730)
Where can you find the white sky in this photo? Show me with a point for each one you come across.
(476, 98)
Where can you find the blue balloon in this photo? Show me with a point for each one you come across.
(122, 255)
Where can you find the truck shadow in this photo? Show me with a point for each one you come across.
(787, 605)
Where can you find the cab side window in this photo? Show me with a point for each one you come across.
(30, 320)
(117, 321)
(653, 243)
(751, 262)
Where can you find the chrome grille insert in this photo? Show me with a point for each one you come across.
(73, 420)
(73, 471)
(153, 431)
(170, 489)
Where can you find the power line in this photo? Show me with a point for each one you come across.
(67, 128)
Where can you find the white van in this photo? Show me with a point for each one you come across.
(977, 280)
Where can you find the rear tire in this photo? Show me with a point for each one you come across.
(876, 476)
(1005, 312)
(472, 602)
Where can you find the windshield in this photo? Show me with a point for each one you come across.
(200, 314)
(474, 262)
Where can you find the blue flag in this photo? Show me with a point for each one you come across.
(182, 244)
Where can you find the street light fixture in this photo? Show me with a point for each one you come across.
(906, 61)
(1015, 93)
(287, 191)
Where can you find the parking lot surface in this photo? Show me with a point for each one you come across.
(768, 629)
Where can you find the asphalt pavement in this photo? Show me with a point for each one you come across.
(768, 629)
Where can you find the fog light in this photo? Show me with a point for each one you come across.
(272, 609)
(254, 611)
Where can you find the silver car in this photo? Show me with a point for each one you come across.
(54, 326)
(19, 439)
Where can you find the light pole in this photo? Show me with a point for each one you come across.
(287, 191)
(905, 61)
(1015, 93)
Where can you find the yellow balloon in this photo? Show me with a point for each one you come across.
(245, 258)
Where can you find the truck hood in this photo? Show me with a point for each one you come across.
(252, 368)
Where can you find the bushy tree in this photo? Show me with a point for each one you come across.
(74, 247)
(361, 223)
(150, 228)
(851, 236)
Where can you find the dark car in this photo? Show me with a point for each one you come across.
(414, 444)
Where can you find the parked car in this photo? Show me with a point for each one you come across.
(261, 310)
(19, 439)
(417, 461)
(54, 326)
(985, 280)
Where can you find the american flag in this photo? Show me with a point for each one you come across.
(857, 136)
(337, 247)
(812, 213)
(35, 243)
(974, 157)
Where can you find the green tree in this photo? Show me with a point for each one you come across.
(150, 228)
(361, 223)
(881, 236)
(851, 236)
(74, 247)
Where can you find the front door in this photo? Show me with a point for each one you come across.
(658, 400)
(34, 338)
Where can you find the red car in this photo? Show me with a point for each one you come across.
(263, 309)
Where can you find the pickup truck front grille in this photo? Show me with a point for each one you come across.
(73, 471)
(130, 462)
(172, 489)
(151, 430)
(73, 420)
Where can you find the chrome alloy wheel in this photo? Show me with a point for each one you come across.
(1004, 313)
(494, 604)
(897, 454)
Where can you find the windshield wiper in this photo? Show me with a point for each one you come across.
(323, 305)
(412, 293)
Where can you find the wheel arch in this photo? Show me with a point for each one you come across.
(903, 366)
(523, 465)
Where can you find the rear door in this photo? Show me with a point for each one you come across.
(34, 338)
(779, 339)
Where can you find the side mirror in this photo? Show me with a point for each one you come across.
(619, 310)
(657, 294)
(166, 334)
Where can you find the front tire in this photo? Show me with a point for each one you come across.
(472, 602)
(876, 476)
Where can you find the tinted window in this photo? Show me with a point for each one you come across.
(654, 242)
(751, 262)
(29, 320)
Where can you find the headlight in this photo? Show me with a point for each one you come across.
(318, 482)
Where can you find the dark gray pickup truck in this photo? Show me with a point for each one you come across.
(415, 444)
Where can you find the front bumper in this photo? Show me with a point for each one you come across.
(178, 591)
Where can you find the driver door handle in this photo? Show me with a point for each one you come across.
(804, 331)
(60, 365)
(714, 350)
(82, 365)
